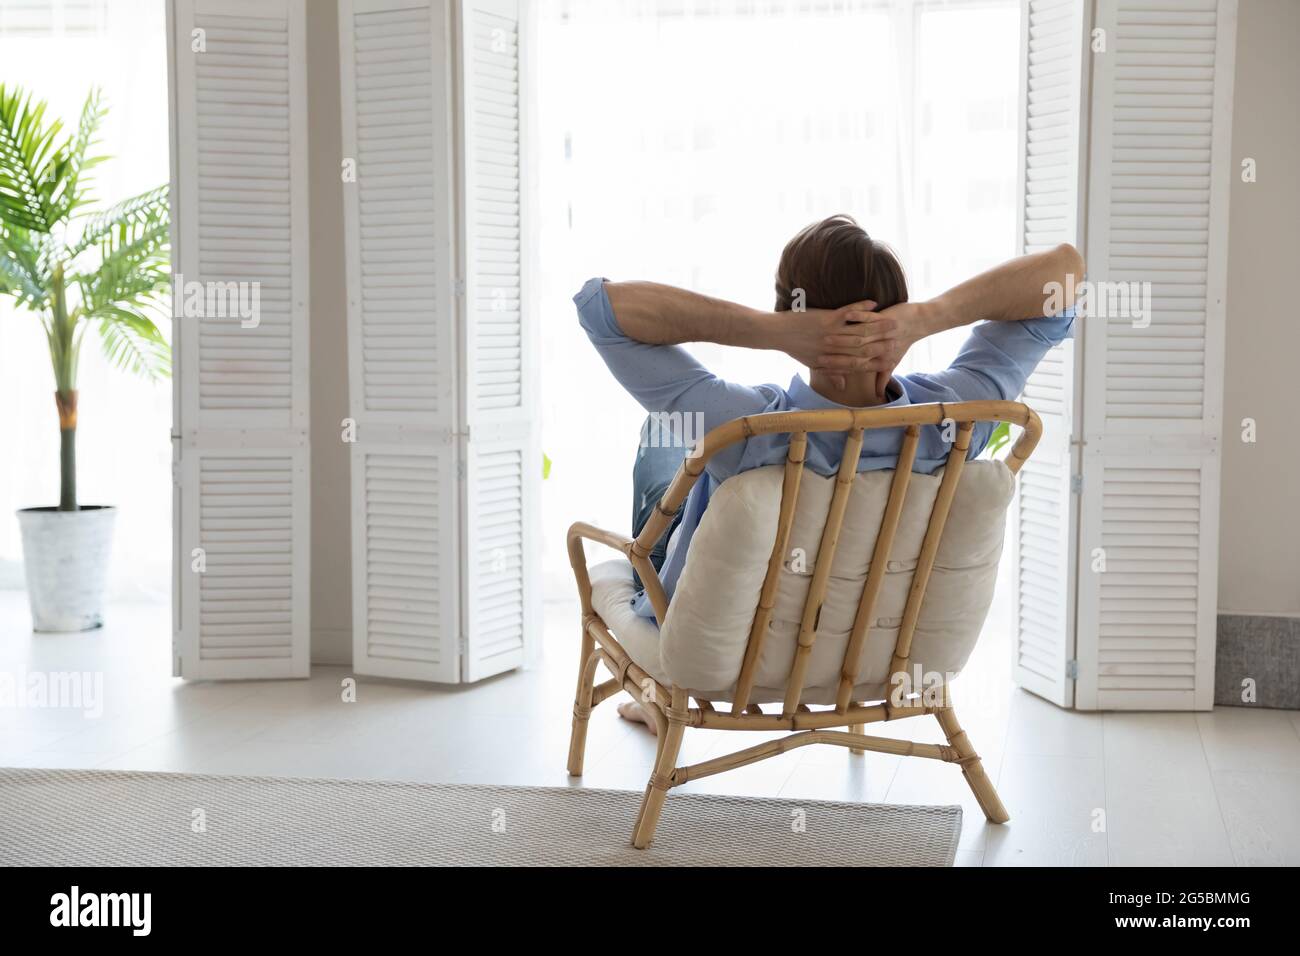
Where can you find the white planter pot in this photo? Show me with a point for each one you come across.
(65, 554)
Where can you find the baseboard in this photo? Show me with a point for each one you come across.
(1261, 649)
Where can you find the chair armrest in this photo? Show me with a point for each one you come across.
(580, 530)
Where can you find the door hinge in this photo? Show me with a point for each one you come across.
(1076, 484)
(1072, 669)
(458, 287)
(176, 473)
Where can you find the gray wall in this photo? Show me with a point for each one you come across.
(1259, 563)
(331, 571)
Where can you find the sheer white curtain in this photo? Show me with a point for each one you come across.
(685, 141)
(58, 50)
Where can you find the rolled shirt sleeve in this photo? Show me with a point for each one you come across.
(998, 357)
(663, 378)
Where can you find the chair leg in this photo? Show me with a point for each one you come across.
(645, 799)
(656, 791)
(971, 767)
(857, 729)
(582, 703)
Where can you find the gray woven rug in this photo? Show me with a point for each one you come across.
(118, 818)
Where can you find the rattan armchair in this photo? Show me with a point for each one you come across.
(674, 709)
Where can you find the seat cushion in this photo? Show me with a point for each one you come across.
(710, 616)
(612, 590)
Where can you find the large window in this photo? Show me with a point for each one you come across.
(59, 50)
(685, 141)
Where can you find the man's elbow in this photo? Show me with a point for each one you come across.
(1070, 260)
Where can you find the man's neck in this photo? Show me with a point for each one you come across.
(862, 390)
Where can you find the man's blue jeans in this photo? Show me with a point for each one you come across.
(651, 475)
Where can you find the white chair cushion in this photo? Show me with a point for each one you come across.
(612, 590)
(709, 619)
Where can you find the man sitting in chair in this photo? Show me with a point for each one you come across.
(842, 310)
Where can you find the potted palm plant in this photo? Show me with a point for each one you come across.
(75, 269)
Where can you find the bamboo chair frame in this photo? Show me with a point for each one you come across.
(670, 707)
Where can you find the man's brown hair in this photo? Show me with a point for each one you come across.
(836, 263)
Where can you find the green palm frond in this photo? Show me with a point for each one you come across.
(146, 213)
(32, 168)
(130, 282)
(22, 274)
(49, 254)
(1000, 436)
(133, 343)
(74, 192)
(133, 267)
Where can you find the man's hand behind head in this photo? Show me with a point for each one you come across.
(804, 335)
(867, 341)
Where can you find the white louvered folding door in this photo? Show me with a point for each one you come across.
(439, 353)
(240, 234)
(499, 440)
(1051, 195)
(1160, 167)
(399, 220)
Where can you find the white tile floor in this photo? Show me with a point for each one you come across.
(1088, 789)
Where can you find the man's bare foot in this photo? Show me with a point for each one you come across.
(633, 711)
